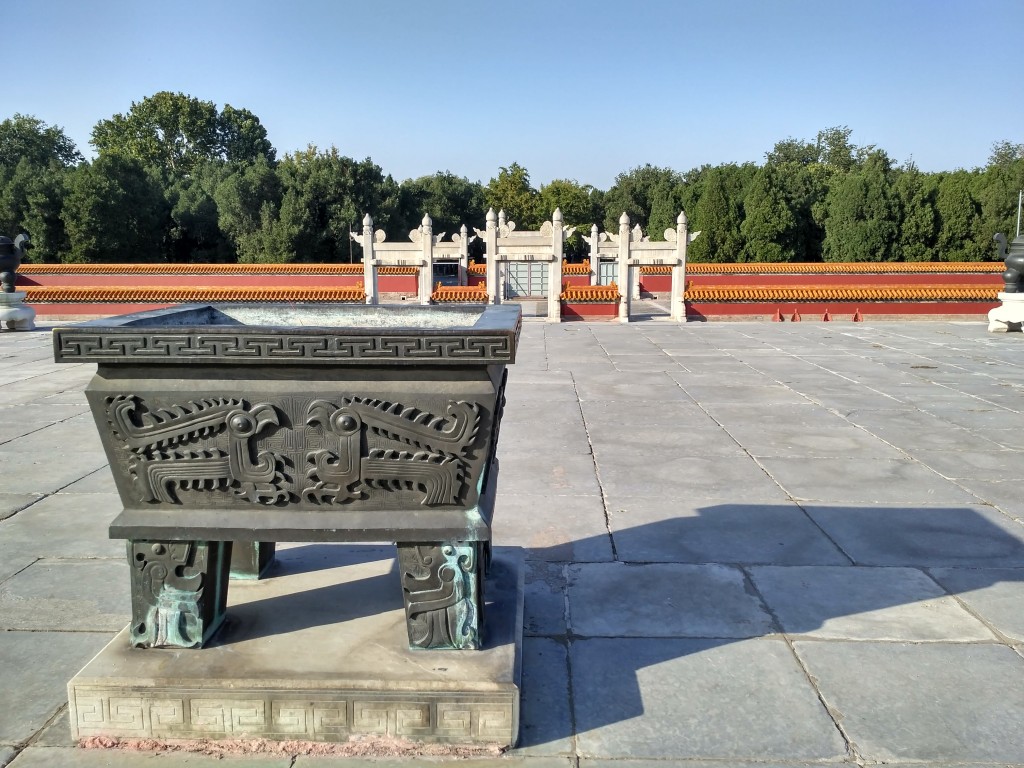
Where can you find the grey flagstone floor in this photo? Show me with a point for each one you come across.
(748, 544)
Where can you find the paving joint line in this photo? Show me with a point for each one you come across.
(597, 472)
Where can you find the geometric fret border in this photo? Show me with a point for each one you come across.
(75, 345)
(311, 715)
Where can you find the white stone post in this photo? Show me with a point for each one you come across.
(555, 267)
(426, 283)
(622, 278)
(595, 257)
(678, 306)
(463, 256)
(493, 289)
(369, 267)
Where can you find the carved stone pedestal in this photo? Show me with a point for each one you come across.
(14, 314)
(1009, 316)
(317, 651)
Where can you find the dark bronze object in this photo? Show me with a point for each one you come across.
(1013, 277)
(11, 254)
(245, 425)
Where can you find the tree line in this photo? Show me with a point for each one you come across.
(177, 179)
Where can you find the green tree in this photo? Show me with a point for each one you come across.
(243, 139)
(43, 215)
(23, 137)
(114, 211)
(996, 191)
(641, 191)
(247, 198)
(915, 194)
(193, 231)
(959, 219)
(30, 200)
(719, 214)
(794, 151)
(177, 132)
(770, 229)
(510, 191)
(450, 200)
(324, 197)
(837, 152)
(579, 206)
(863, 214)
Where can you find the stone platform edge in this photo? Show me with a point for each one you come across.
(172, 704)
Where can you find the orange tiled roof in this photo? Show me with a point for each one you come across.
(768, 293)
(907, 267)
(583, 268)
(582, 294)
(170, 294)
(656, 269)
(449, 293)
(479, 269)
(195, 269)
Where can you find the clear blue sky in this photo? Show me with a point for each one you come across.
(582, 90)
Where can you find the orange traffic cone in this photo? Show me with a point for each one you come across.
(857, 318)
(826, 318)
(778, 317)
(796, 317)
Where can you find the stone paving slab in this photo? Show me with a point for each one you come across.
(994, 594)
(628, 763)
(867, 480)
(818, 441)
(627, 417)
(612, 444)
(920, 535)
(697, 699)
(1005, 495)
(574, 530)
(766, 396)
(12, 503)
(663, 600)
(18, 421)
(546, 721)
(551, 474)
(545, 599)
(916, 430)
(558, 428)
(67, 596)
(36, 667)
(651, 529)
(100, 481)
(14, 562)
(936, 701)
(653, 474)
(656, 387)
(64, 525)
(57, 733)
(857, 603)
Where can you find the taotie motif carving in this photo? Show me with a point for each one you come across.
(169, 608)
(161, 461)
(442, 588)
(346, 469)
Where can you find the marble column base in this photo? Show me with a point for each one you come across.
(14, 314)
(1009, 316)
